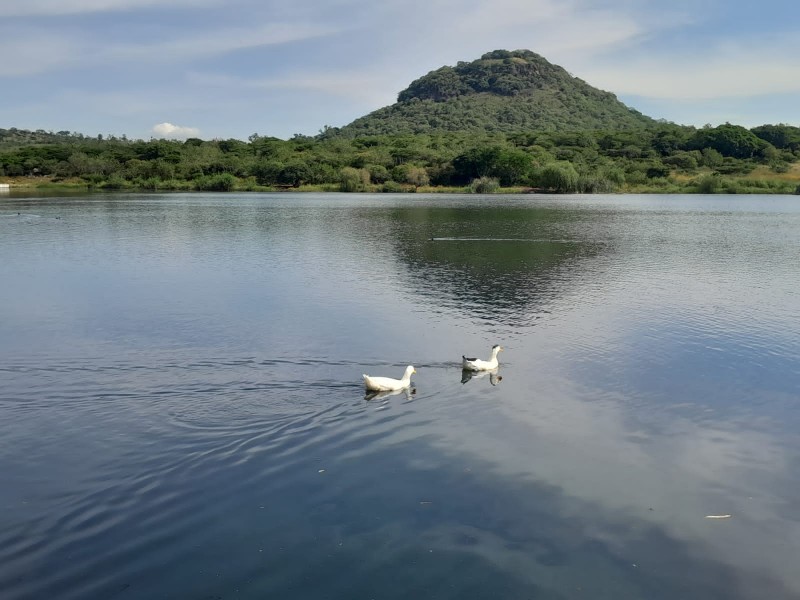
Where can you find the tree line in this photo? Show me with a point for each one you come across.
(664, 158)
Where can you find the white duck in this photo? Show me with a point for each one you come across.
(387, 384)
(476, 364)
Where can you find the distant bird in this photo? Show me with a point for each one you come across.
(476, 364)
(387, 384)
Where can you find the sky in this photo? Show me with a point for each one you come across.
(231, 68)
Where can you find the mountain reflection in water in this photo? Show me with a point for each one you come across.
(182, 413)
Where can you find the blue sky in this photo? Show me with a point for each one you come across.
(230, 68)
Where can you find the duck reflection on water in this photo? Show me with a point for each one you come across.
(494, 376)
(408, 393)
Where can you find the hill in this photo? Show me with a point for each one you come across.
(17, 138)
(503, 92)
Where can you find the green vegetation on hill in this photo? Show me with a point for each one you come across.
(510, 121)
(14, 138)
(504, 91)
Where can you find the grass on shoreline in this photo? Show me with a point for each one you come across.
(760, 181)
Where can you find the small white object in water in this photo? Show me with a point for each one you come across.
(718, 516)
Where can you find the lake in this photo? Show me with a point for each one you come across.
(182, 413)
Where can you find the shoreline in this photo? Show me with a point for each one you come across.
(727, 185)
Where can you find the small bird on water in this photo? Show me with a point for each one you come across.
(476, 364)
(387, 384)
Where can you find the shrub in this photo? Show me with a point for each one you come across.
(595, 184)
(681, 160)
(615, 176)
(173, 184)
(657, 171)
(221, 182)
(115, 182)
(392, 187)
(411, 174)
(484, 185)
(353, 180)
(558, 177)
(151, 183)
(417, 176)
(710, 184)
(17, 170)
(378, 173)
(732, 166)
(711, 158)
(635, 177)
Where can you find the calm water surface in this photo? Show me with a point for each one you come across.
(181, 410)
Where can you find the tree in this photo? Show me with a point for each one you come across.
(294, 174)
(729, 140)
(512, 167)
(266, 171)
(508, 165)
(784, 137)
(378, 173)
(438, 86)
(668, 141)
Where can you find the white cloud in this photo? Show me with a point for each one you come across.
(179, 132)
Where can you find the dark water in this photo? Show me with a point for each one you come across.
(181, 410)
